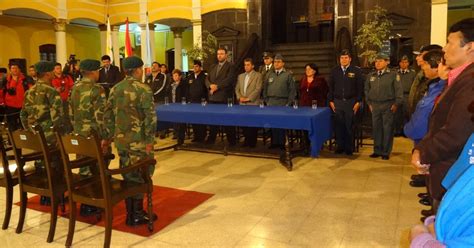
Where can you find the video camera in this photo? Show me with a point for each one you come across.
(72, 59)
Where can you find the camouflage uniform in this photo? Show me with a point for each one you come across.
(86, 110)
(43, 106)
(130, 120)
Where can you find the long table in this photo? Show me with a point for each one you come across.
(316, 121)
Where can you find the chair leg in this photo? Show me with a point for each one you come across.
(108, 227)
(150, 212)
(72, 223)
(23, 202)
(54, 218)
(8, 209)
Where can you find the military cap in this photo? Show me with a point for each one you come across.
(3, 70)
(279, 57)
(267, 55)
(89, 65)
(132, 62)
(404, 57)
(44, 66)
(382, 56)
(428, 48)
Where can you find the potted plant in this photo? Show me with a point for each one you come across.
(205, 49)
(371, 35)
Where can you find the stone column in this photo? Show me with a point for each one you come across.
(60, 31)
(103, 39)
(178, 46)
(151, 27)
(439, 22)
(143, 45)
(115, 45)
(197, 23)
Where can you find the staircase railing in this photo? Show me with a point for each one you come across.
(250, 51)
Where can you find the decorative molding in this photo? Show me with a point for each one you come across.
(59, 25)
(226, 32)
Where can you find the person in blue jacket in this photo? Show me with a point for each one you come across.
(417, 127)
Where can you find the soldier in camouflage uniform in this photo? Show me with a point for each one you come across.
(86, 111)
(43, 106)
(130, 120)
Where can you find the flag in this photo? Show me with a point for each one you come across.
(128, 45)
(109, 47)
(148, 58)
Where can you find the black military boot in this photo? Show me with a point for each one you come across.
(139, 216)
(129, 207)
(87, 210)
(45, 201)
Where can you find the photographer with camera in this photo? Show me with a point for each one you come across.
(63, 84)
(72, 68)
(14, 91)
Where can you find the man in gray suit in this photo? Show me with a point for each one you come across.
(221, 81)
(248, 89)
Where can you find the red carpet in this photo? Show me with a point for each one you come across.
(168, 203)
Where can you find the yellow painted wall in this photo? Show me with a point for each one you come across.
(213, 5)
(459, 14)
(21, 38)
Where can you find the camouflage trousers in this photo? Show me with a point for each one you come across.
(86, 170)
(129, 157)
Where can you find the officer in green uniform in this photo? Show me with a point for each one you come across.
(130, 120)
(43, 106)
(407, 75)
(86, 111)
(279, 90)
(384, 93)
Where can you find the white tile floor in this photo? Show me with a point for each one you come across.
(331, 201)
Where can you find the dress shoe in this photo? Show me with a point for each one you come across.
(425, 202)
(418, 177)
(427, 212)
(385, 157)
(87, 210)
(417, 183)
(374, 155)
(423, 195)
(339, 151)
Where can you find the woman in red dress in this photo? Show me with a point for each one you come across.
(313, 87)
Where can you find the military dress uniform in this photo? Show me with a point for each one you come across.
(401, 116)
(279, 90)
(382, 90)
(87, 106)
(346, 88)
(417, 91)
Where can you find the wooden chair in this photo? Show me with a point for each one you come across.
(9, 172)
(106, 192)
(48, 182)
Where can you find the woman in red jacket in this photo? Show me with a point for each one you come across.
(313, 87)
(14, 92)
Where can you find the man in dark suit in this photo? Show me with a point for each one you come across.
(346, 87)
(248, 89)
(450, 125)
(197, 90)
(109, 74)
(221, 79)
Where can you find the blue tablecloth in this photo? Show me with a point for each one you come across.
(316, 121)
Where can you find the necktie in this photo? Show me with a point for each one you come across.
(380, 73)
(218, 69)
(268, 67)
(344, 70)
(246, 83)
(278, 73)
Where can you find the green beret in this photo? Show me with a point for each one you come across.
(44, 66)
(89, 65)
(382, 56)
(132, 62)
